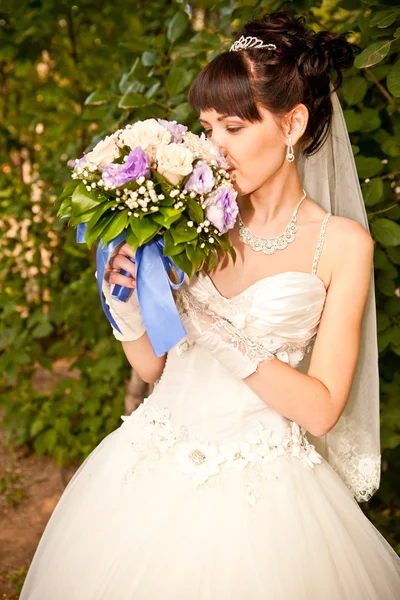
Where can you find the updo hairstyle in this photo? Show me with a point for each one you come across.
(298, 71)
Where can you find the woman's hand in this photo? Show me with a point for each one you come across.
(120, 259)
(126, 314)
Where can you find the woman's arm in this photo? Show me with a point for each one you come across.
(141, 356)
(132, 335)
(317, 399)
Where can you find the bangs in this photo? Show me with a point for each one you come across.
(224, 85)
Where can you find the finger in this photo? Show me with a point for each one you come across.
(122, 262)
(117, 278)
(126, 249)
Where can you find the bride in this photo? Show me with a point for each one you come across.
(239, 476)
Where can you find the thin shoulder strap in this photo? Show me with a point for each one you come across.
(320, 243)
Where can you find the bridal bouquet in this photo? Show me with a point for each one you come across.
(167, 192)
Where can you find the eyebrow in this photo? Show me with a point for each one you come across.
(218, 118)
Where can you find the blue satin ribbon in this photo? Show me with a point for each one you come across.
(153, 285)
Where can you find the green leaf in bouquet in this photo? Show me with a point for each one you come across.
(170, 247)
(182, 261)
(115, 227)
(181, 232)
(144, 229)
(212, 260)
(65, 208)
(83, 200)
(232, 252)
(132, 240)
(96, 220)
(166, 216)
(194, 253)
(94, 233)
(195, 211)
(68, 190)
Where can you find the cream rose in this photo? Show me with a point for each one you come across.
(106, 151)
(174, 162)
(145, 134)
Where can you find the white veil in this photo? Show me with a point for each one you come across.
(352, 447)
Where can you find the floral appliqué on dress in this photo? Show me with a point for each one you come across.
(154, 436)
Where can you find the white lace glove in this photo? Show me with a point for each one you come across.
(240, 354)
(125, 314)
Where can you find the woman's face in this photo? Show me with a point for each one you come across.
(255, 151)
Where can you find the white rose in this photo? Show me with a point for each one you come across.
(144, 134)
(104, 152)
(174, 162)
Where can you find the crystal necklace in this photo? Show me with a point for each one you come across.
(270, 245)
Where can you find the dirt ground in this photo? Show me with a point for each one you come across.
(41, 484)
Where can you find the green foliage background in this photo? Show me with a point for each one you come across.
(71, 73)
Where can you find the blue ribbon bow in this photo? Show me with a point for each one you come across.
(153, 285)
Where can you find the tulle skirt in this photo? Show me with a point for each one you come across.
(160, 537)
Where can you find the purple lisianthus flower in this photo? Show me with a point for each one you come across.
(79, 162)
(135, 166)
(222, 208)
(175, 129)
(201, 179)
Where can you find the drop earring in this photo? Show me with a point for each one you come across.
(290, 153)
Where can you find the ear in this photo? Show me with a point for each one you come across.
(296, 122)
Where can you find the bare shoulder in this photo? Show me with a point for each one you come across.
(351, 249)
(349, 236)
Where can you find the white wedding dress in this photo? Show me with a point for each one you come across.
(206, 493)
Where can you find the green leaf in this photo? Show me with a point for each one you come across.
(391, 147)
(166, 216)
(386, 232)
(180, 112)
(68, 190)
(385, 284)
(177, 26)
(181, 232)
(83, 200)
(42, 330)
(393, 80)
(184, 263)
(115, 227)
(372, 191)
(383, 18)
(354, 90)
(367, 166)
(98, 97)
(196, 213)
(134, 100)
(373, 54)
(177, 80)
(194, 253)
(94, 232)
(132, 240)
(149, 59)
(394, 255)
(382, 320)
(144, 229)
(36, 427)
(353, 120)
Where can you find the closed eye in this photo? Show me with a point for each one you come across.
(230, 129)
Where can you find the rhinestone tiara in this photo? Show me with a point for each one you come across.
(243, 43)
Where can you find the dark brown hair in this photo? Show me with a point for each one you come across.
(298, 71)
